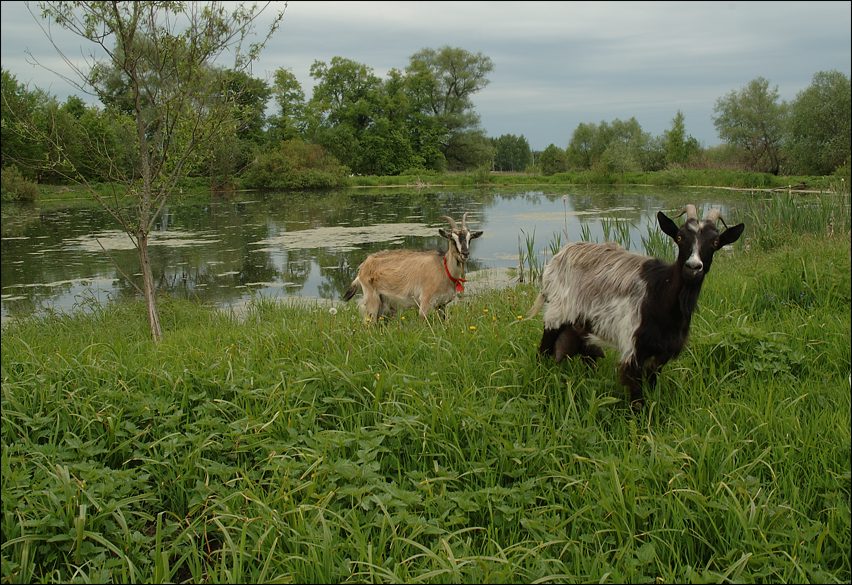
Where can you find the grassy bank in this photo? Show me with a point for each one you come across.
(666, 178)
(200, 187)
(297, 445)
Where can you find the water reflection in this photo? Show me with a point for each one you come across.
(226, 250)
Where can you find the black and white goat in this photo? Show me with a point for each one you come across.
(397, 279)
(601, 294)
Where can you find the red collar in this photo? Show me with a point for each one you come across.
(457, 281)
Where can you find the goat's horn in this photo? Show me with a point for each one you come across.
(713, 215)
(450, 220)
(690, 212)
(464, 221)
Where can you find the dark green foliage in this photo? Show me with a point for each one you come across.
(294, 165)
(752, 119)
(616, 147)
(553, 160)
(511, 153)
(820, 125)
(14, 187)
(679, 147)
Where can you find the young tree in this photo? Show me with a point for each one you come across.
(753, 120)
(679, 147)
(553, 160)
(163, 54)
(819, 125)
(511, 153)
(585, 148)
(287, 92)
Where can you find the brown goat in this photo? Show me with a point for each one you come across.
(397, 279)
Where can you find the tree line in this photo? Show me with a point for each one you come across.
(416, 120)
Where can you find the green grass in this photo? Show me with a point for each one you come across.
(295, 444)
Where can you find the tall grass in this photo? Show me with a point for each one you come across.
(785, 216)
(295, 444)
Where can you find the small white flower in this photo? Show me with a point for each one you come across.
(332, 311)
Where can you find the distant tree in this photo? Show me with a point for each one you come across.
(819, 129)
(511, 153)
(620, 157)
(385, 149)
(753, 120)
(625, 140)
(241, 133)
(415, 146)
(553, 160)
(678, 147)
(160, 55)
(645, 151)
(469, 150)
(289, 121)
(95, 141)
(20, 113)
(584, 148)
(441, 84)
(652, 156)
(428, 140)
(345, 102)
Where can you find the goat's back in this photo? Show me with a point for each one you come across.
(594, 268)
(399, 270)
(598, 285)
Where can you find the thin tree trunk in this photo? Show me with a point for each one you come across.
(148, 286)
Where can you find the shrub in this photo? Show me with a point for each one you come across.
(15, 187)
(295, 165)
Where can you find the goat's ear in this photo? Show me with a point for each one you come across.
(667, 225)
(731, 235)
(476, 234)
(443, 233)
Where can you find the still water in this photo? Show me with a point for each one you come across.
(227, 250)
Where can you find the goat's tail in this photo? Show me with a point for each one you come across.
(537, 305)
(353, 288)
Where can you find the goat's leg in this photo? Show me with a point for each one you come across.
(560, 343)
(548, 340)
(372, 303)
(568, 344)
(651, 374)
(591, 353)
(587, 349)
(386, 310)
(424, 303)
(631, 376)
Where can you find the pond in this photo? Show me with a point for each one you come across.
(226, 250)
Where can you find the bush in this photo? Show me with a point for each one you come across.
(295, 165)
(15, 187)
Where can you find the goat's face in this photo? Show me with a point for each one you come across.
(697, 241)
(460, 236)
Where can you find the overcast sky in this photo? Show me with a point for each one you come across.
(556, 64)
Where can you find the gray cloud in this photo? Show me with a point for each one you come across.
(557, 64)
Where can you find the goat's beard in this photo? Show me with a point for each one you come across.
(693, 277)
